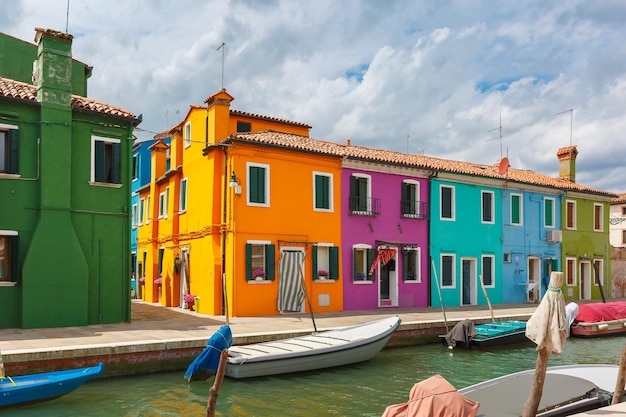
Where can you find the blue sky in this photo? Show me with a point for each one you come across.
(440, 73)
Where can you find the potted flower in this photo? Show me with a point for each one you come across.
(142, 280)
(360, 276)
(322, 274)
(258, 274)
(190, 299)
(158, 281)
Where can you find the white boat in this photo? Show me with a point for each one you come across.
(567, 390)
(315, 351)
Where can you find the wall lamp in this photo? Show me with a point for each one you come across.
(234, 184)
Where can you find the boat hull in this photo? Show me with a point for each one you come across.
(600, 319)
(597, 329)
(494, 335)
(307, 353)
(27, 389)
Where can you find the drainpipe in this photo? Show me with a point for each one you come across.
(430, 205)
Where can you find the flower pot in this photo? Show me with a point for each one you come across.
(322, 277)
(259, 278)
(190, 305)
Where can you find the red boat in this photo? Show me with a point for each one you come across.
(600, 319)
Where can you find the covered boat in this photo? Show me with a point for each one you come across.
(315, 351)
(567, 390)
(26, 389)
(488, 335)
(600, 319)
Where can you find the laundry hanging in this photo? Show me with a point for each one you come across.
(290, 281)
(383, 256)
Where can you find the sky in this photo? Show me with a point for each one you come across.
(467, 80)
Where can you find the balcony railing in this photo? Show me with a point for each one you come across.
(364, 206)
(410, 209)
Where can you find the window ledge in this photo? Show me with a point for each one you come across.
(8, 284)
(253, 281)
(412, 281)
(362, 282)
(10, 176)
(106, 184)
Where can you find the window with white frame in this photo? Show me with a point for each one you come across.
(162, 205)
(448, 270)
(9, 143)
(570, 214)
(322, 191)
(258, 184)
(8, 256)
(446, 194)
(488, 270)
(362, 259)
(487, 205)
(410, 204)
(141, 214)
(183, 196)
(187, 134)
(548, 212)
(106, 160)
(260, 263)
(570, 272)
(360, 194)
(135, 166)
(598, 271)
(411, 264)
(598, 217)
(325, 261)
(134, 216)
(517, 209)
(148, 210)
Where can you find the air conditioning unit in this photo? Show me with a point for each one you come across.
(555, 236)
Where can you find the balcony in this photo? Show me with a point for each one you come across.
(364, 206)
(410, 209)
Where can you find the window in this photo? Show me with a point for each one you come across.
(160, 262)
(623, 237)
(260, 258)
(487, 206)
(517, 213)
(243, 126)
(570, 214)
(362, 259)
(163, 197)
(487, 269)
(360, 192)
(325, 262)
(134, 216)
(570, 271)
(598, 217)
(187, 134)
(411, 262)
(183, 196)
(598, 271)
(258, 190)
(106, 160)
(548, 212)
(447, 202)
(148, 210)
(142, 209)
(623, 211)
(9, 143)
(409, 204)
(447, 271)
(8, 256)
(322, 191)
(135, 166)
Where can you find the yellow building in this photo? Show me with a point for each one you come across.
(222, 203)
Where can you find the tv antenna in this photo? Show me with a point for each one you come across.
(500, 136)
(222, 47)
(67, 16)
(407, 142)
(571, 122)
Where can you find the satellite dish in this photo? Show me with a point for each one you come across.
(504, 166)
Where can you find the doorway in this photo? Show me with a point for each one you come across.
(468, 281)
(585, 280)
(534, 279)
(388, 282)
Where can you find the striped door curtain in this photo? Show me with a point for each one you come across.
(290, 281)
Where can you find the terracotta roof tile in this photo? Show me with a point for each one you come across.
(23, 91)
(273, 119)
(620, 199)
(304, 143)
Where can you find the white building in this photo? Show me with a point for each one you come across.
(617, 221)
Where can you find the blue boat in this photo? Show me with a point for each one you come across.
(27, 389)
(488, 335)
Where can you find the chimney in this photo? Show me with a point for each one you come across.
(348, 142)
(567, 163)
(52, 72)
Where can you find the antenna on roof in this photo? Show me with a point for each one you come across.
(407, 142)
(67, 16)
(500, 129)
(222, 47)
(571, 122)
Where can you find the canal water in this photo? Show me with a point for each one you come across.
(363, 389)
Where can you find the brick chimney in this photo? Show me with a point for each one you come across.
(567, 163)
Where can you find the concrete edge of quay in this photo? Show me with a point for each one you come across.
(144, 357)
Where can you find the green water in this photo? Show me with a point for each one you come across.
(359, 390)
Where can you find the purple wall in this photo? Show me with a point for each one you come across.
(388, 226)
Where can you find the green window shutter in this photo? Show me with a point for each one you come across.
(270, 262)
(322, 192)
(405, 264)
(14, 141)
(116, 173)
(314, 261)
(515, 209)
(363, 194)
(548, 212)
(371, 256)
(354, 265)
(257, 185)
(15, 259)
(161, 253)
(249, 276)
(353, 188)
(99, 162)
(333, 253)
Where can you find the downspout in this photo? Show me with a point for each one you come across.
(430, 199)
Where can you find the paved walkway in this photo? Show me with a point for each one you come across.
(155, 323)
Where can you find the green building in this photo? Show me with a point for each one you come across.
(64, 191)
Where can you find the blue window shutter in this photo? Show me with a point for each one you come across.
(334, 262)
(116, 174)
(314, 261)
(269, 262)
(99, 162)
(249, 276)
(15, 259)
(14, 141)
